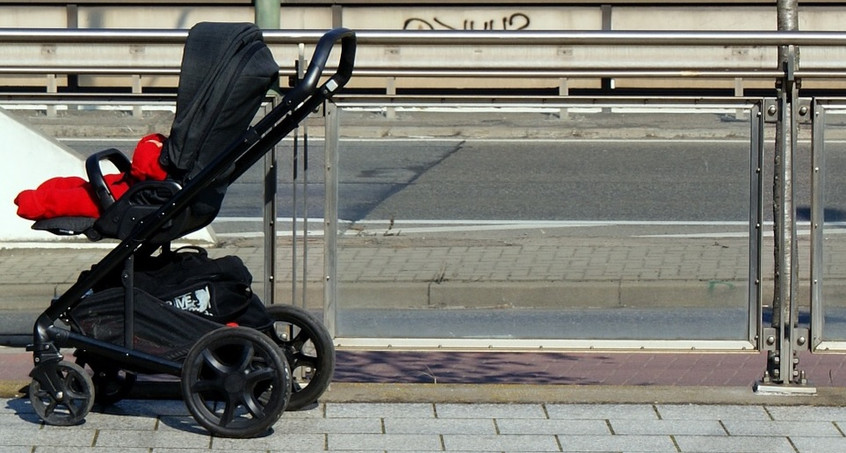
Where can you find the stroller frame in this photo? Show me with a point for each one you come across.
(50, 373)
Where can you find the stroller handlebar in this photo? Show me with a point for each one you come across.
(316, 67)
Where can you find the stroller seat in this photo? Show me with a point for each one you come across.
(226, 72)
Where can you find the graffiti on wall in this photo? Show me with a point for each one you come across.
(516, 21)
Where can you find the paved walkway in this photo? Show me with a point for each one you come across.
(165, 426)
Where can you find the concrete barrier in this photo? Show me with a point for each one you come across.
(30, 158)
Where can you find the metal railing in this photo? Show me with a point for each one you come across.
(60, 52)
(64, 52)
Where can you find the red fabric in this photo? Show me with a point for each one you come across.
(74, 197)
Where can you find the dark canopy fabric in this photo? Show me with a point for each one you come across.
(227, 71)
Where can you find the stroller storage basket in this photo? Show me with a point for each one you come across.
(159, 328)
(216, 288)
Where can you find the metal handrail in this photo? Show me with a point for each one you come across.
(447, 37)
(602, 38)
(645, 69)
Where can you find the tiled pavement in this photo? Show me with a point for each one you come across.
(165, 426)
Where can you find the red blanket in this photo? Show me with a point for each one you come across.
(74, 197)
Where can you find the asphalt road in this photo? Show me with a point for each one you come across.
(583, 180)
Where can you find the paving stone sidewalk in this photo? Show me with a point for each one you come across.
(166, 426)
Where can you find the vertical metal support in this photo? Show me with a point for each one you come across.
(136, 89)
(52, 88)
(302, 128)
(391, 90)
(817, 222)
(267, 13)
(295, 167)
(305, 215)
(756, 222)
(607, 83)
(72, 15)
(330, 216)
(128, 281)
(269, 218)
(780, 365)
(563, 91)
(785, 336)
(267, 16)
(738, 92)
(786, 227)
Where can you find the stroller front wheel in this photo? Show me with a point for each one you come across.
(72, 399)
(236, 382)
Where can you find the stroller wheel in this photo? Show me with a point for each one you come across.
(309, 350)
(73, 398)
(236, 382)
(111, 384)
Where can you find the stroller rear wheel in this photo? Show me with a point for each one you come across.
(73, 396)
(309, 350)
(236, 382)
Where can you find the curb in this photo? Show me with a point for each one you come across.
(519, 394)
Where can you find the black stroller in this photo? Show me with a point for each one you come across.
(235, 359)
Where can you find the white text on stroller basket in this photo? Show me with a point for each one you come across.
(197, 300)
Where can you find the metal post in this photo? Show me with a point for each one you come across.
(267, 14)
(137, 88)
(330, 216)
(300, 131)
(756, 221)
(817, 222)
(53, 88)
(269, 219)
(783, 337)
(781, 367)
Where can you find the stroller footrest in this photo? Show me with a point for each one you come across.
(69, 226)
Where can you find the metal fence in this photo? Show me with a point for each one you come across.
(560, 57)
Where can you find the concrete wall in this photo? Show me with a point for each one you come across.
(29, 158)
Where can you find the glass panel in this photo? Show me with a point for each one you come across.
(834, 242)
(593, 223)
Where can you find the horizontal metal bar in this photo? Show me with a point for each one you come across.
(541, 345)
(90, 98)
(92, 36)
(436, 100)
(574, 73)
(449, 37)
(41, 69)
(591, 37)
(445, 73)
(618, 73)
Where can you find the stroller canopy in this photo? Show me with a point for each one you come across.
(227, 71)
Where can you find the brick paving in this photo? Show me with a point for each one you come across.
(146, 425)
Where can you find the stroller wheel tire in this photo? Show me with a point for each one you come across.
(236, 382)
(309, 350)
(111, 384)
(73, 398)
